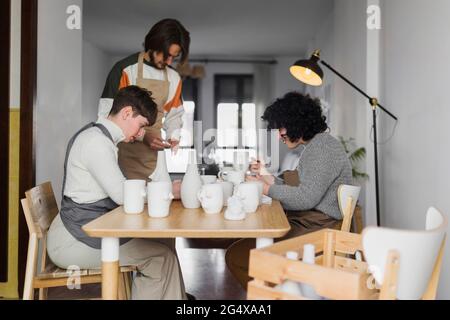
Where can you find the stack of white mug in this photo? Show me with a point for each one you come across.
(250, 192)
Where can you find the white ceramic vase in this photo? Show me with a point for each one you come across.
(191, 184)
(161, 173)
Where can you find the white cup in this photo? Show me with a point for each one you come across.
(227, 188)
(159, 198)
(249, 194)
(235, 209)
(233, 176)
(207, 179)
(134, 195)
(211, 197)
(260, 185)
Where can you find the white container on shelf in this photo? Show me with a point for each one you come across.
(309, 257)
(289, 286)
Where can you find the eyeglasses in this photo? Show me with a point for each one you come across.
(284, 137)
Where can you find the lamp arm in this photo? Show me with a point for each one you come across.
(373, 101)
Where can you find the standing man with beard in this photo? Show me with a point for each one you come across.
(167, 40)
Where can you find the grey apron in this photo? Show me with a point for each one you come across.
(75, 215)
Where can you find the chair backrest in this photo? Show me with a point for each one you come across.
(418, 252)
(347, 199)
(40, 208)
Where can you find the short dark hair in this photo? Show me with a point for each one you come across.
(139, 99)
(299, 114)
(166, 33)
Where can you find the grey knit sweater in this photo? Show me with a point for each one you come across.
(323, 166)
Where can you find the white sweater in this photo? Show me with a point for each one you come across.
(93, 172)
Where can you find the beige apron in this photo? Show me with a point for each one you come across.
(136, 159)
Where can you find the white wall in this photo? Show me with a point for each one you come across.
(283, 83)
(14, 95)
(416, 75)
(59, 87)
(96, 66)
(414, 162)
(343, 41)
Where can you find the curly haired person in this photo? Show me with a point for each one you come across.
(309, 193)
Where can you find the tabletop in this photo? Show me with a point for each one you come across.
(268, 221)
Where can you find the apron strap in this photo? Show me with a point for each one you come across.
(141, 66)
(71, 142)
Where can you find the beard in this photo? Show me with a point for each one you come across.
(157, 65)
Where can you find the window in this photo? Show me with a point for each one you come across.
(235, 116)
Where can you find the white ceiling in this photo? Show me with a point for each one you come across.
(217, 27)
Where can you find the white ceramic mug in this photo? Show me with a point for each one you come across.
(260, 185)
(227, 188)
(159, 198)
(235, 209)
(211, 197)
(206, 179)
(134, 195)
(233, 176)
(249, 194)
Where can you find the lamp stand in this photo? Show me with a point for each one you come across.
(374, 103)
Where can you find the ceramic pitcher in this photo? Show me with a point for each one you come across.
(211, 197)
(249, 194)
(159, 198)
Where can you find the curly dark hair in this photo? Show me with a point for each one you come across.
(299, 114)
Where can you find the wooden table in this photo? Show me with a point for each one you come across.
(267, 223)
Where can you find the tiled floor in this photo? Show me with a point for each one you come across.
(205, 276)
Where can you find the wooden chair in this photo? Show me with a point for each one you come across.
(40, 209)
(407, 263)
(347, 199)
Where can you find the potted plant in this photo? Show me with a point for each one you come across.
(355, 155)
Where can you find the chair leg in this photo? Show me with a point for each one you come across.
(43, 293)
(128, 282)
(122, 291)
(28, 290)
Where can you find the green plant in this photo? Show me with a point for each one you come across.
(355, 155)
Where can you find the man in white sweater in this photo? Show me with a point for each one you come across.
(93, 185)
